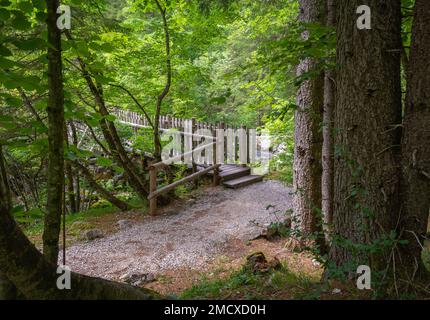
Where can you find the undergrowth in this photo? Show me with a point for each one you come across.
(242, 284)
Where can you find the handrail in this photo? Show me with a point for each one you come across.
(154, 192)
(175, 184)
(179, 157)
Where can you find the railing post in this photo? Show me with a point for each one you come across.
(194, 127)
(215, 181)
(221, 143)
(152, 188)
(243, 146)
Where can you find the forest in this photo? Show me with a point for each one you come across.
(214, 149)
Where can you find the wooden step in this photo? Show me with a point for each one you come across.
(226, 167)
(243, 181)
(221, 168)
(234, 173)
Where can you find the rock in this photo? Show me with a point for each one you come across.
(138, 279)
(336, 291)
(315, 263)
(93, 234)
(257, 263)
(124, 224)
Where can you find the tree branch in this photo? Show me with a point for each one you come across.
(135, 101)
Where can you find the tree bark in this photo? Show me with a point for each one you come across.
(308, 137)
(55, 110)
(327, 151)
(163, 94)
(110, 133)
(36, 277)
(367, 113)
(8, 290)
(111, 136)
(415, 185)
(124, 206)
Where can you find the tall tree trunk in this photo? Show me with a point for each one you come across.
(327, 151)
(164, 93)
(112, 138)
(55, 110)
(8, 290)
(367, 112)
(415, 185)
(111, 135)
(308, 137)
(36, 277)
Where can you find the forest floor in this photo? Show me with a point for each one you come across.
(196, 247)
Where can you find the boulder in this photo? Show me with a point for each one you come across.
(257, 263)
(124, 224)
(93, 234)
(138, 279)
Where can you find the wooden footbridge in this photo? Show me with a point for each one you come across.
(216, 150)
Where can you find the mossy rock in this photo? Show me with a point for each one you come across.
(257, 263)
(78, 226)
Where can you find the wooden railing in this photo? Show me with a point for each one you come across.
(227, 148)
(137, 120)
(247, 138)
(155, 192)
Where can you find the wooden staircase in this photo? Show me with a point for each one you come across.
(237, 176)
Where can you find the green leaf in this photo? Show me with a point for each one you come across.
(13, 101)
(6, 63)
(31, 83)
(81, 48)
(4, 14)
(20, 21)
(39, 4)
(93, 122)
(17, 209)
(5, 118)
(7, 125)
(118, 170)
(25, 6)
(30, 44)
(5, 3)
(218, 100)
(104, 80)
(104, 162)
(110, 118)
(5, 51)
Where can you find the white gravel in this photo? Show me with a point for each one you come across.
(186, 238)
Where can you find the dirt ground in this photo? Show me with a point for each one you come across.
(211, 233)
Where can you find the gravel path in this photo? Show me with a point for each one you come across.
(184, 238)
